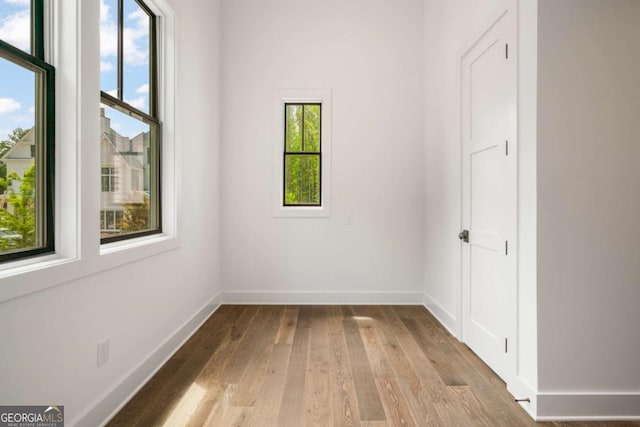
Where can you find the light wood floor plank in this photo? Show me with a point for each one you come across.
(344, 405)
(420, 381)
(411, 363)
(267, 407)
(219, 411)
(395, 404)
(292, 407)
(375, 353)
(287, 326)
(244, 353)
(317, 398)
(438, 359)
(368, 398)
(237, 416)
(254, 375)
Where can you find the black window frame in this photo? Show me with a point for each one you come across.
(45, 116)
(287, 153)
(152, 118)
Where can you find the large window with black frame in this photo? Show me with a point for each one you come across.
(129, 122)
(302, 161)
(27, 134)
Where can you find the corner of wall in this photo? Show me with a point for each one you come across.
(447, 319)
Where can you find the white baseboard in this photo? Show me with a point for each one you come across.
(588, 406)
(113, 400)
(520, 389)
(444, 317)
(322, 298)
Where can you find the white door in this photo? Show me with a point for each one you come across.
(489, 198)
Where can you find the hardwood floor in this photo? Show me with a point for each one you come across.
(325, 366)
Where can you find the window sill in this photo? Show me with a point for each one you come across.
(302, 212)
(28, 276)
(138, 248)
(24, 277)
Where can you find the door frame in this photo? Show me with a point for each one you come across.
(509, 267)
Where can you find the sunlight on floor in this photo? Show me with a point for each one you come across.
(186, 407)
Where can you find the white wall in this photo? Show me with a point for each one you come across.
(589, 198)
(370, 54)
(48, 339)
(450, 26)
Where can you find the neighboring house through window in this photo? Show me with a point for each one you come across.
(130, 126)
(27, 152)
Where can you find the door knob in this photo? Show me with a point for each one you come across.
(464, 236)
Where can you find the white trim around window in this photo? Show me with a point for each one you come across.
(281, 97)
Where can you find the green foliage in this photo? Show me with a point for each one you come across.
(136, 217)
(293, 128)
(5, 146)
(302, 171)
(312, 128)
(21, 220)
(12, 139)
(303, 128)
(302, 180)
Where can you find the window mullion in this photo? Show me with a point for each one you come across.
(153, 73)
(121, 49)
(37, 28)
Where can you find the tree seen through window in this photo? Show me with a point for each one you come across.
(303, 155)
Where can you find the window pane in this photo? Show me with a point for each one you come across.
(302, 179)
(15, 23)
(128, 154)
(110, 220)
(312, 128)
(136, 56)
(21, 191)
(293, 128)
(109, 46)
(105, 183)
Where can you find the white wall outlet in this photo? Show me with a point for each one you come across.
(103, 352)
(348, 220)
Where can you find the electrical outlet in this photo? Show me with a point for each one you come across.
(103, 352)
(348, 220)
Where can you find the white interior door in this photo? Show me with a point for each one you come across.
(489, 199)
